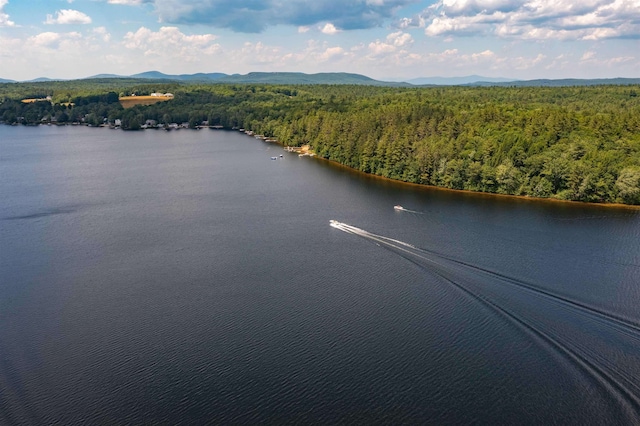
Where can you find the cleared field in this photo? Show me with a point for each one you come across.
(31, 101)
(131, 101)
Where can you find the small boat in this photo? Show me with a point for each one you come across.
(398, 207)
(281, 155)
(274, 158)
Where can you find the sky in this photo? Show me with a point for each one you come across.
(383, 39)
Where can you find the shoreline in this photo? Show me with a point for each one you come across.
(482, 194)
(305, 151)
(422, 186)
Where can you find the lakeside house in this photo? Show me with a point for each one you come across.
(162, 95)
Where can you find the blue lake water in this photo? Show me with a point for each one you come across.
(184, 277)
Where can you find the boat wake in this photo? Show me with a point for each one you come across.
(399, 208)
(602, 345)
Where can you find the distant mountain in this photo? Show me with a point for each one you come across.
(202, 76)
(565, 82)
(156, 75)
(254, 77)
(349, 78)
(477, 80)
(270, 78)
(42, 80)
(456, 81)
(107, 76)
(302, 78)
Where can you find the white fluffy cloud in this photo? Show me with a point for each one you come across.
(400, 39)
(4, 18)
(51, 40)
(68, 16)
(532, 19)
(171, 42)
(396, 42)
(329, 29)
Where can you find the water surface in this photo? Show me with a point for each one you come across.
(184, 277)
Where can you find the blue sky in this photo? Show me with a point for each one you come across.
(384, 39)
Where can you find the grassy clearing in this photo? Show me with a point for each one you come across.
(31, 101)
(131, 101)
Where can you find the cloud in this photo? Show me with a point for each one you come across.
(253, 16)
(68, 16)
(588, 55)
(400, 39)
(4, 18)
(170, 42)
(396, 42)
(102, 33)
(52, 40)
(531, 19)
(329, 29)
(320, 54)
(332, 52)
(378, 48)
(9, 46)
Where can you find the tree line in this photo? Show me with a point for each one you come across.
(570, 143)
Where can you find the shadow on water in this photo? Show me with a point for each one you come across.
(41, 214)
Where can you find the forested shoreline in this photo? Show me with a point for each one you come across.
(569, 143)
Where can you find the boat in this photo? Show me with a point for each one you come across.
(274, 158)
(398, 207)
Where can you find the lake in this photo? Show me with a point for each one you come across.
(185, 277)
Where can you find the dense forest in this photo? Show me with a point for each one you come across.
(570, 143)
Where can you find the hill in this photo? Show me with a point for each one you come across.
(156, 75)
(566, 82)
(302, 78)
(42, 80)
(102, 76)
(455, 81)
(270, 78)
(343, 78)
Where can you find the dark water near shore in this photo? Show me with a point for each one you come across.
(185, 278)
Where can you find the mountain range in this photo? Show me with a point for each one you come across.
(263, 77)
(456, 81)
(349, 78)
